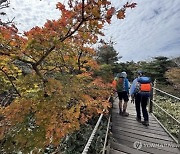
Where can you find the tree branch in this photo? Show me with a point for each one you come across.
(25, 61)
(6, 23)
(10, 82)
(79, 60)
(38, 73)
(2, 1)
(45, 55)
(64, 38)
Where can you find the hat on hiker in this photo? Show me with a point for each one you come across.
(140, 72)
(124, 74)
(118, 75)
(121, 75)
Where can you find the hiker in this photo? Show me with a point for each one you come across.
(140, 91)
(121, 85)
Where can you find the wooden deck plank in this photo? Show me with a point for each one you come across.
(132, 140)
(112, 151)
(126, 119)
(138, 126)
(146, 130)
(140, 137)
(144, 149)
(132, 114)
(150, 135)
(131, 117)
(126, 131)
(123, 148)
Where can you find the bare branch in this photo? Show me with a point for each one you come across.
(2, 6)
(2, 1)
(10, 81)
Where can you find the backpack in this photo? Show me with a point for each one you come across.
(143, 86)
(119, 84)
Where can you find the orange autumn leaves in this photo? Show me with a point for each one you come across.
(58, 61)
(65, 112)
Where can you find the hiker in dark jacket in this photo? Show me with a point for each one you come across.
(140, 91)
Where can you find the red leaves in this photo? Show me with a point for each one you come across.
(132, 5)
(105, 2)
(109, 14)
(121, 14)
(60, 6)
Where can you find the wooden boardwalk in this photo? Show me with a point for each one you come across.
(131, 137)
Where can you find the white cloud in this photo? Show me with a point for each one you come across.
(151, 29)
(30, 13)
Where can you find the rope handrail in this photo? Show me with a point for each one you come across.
(107, 130)
(166, 93)
(86, 148)
(165, 128)
(166, 112)
(171, 116)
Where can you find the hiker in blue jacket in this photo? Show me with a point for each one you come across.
(140, 92)
(121, 84)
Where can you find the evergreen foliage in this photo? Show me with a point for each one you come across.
(106, 54)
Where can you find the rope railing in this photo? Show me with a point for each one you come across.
(167, 93)
(165, 129)
(167, 113)
(177, 121)
(86, 148)
(106, 137)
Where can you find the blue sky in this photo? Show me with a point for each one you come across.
(151, 29)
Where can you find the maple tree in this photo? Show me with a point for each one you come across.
(51, 70)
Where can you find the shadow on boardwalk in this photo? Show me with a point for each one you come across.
(130, 136)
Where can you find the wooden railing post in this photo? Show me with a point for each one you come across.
(151, 104)
(152, 98)
(154, 91)
(111, 100)
(179, 137)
